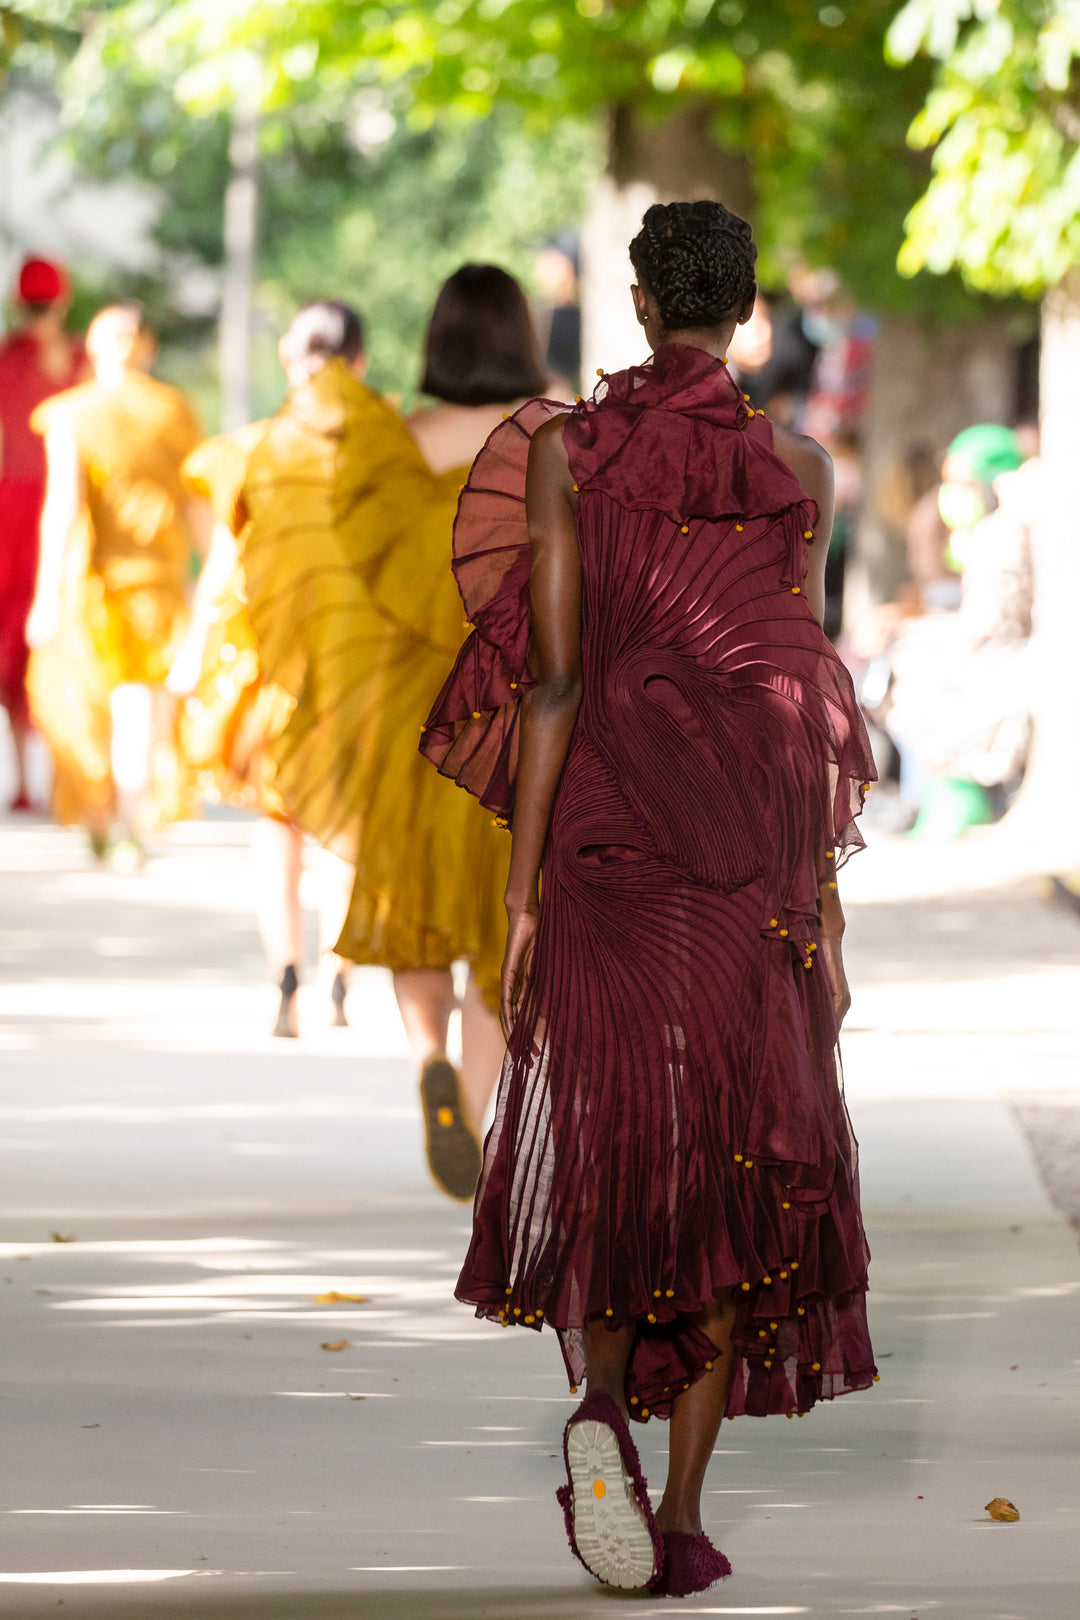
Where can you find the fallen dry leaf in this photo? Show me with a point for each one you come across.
(1002, 1510)
(59, 1237)
(335, 1344)
(334, 1298)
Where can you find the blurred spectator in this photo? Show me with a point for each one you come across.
(840, 385)
(37, 359)
(907, 503)
(775, 361)
(558, 317)
(957, 707)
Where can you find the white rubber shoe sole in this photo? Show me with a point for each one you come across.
(610, 1530)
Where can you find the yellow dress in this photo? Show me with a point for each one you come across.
(311, 515)
(227, 720)
(123, 594)
(431, 864)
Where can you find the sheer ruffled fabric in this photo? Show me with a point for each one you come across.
(670, 1119)
(430, 866)
(313, 510)
(228, 720)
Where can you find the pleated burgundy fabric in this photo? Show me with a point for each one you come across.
(670, 1120)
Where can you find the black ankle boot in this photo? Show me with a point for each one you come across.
(286, 1018)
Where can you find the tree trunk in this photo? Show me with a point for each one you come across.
(241, 238)
(927, 383)
(677, 160)
(1046, 816)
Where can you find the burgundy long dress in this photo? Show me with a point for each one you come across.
(670, 1119)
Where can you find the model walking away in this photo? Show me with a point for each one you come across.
(37, 358)
(231, 711)
(431, 865)
(305, 527)
(110, 604)
(670, 1182)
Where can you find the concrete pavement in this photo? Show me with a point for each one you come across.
(175, 1439)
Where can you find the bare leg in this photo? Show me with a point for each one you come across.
(277, 851)
(482, 1052)
(607, 1352)
(131, 710)
(19, 733)
(425, 997)
(696, 1416)
(336, 879)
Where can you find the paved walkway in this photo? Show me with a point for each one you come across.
(175, 1439)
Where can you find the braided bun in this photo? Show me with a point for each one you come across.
(697, 259)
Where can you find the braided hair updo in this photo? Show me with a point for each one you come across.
(697, 259)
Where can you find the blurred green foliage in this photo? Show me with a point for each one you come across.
(400, 136)
(1003, 119)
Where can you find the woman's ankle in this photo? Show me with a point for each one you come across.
(679, 1517)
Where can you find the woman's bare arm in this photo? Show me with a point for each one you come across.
(549, 710)
(812, 466)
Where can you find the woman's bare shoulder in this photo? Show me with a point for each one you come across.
(809, 461)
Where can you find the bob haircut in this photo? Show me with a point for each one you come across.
(481, 346)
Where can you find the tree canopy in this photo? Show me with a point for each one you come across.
(1003, 117)
(805, 92)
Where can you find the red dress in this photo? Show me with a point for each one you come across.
(23, 386)
(670, 1119)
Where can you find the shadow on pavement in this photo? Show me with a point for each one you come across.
(498, 1603)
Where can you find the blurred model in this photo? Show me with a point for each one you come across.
(37, 359)
(314, 500)
(109, 609)
(233, 714)
(431, 866)
(670, 1182)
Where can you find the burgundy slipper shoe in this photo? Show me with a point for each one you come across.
(691, 1564)
(605, 1502)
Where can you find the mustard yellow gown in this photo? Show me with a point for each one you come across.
(431, 865)
(228, 719)
(123, 594)
(311, 509)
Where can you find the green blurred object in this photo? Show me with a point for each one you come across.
(986, 451)
(950, 806)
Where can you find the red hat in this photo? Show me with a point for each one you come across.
(42, 282)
